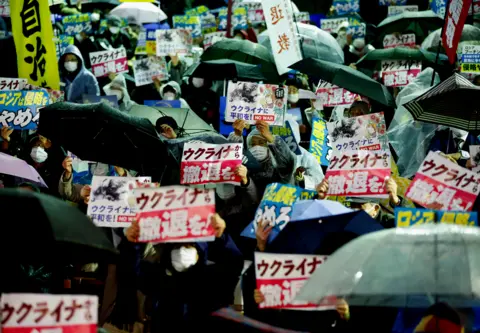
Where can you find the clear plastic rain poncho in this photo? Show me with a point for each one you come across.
(409, 138)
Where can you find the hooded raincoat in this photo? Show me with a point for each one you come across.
(178, 90)
(119, 83)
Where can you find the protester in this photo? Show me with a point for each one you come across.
(118, 38)
(171, 91)
(203, 100)
(118, 88)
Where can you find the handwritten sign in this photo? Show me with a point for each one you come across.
(358, 173)
(251, 101)
(282, 33)
(281, 276)
(319, 142)
(204, 163)
(23, 313)
(111, 61)
(108, 205)
(276, 208)
(172, 41)
(406, 217)
(75, 24)
(20, 109)
(397, 10)
(147, 69)
(392, 41)
(332, 95)
(443, 185)
(175, 214)
(399, 73)
(471, 59)
(7, 83)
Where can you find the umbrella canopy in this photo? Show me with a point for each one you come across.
(97, 132)
(315, 43)
(139, 12)
(403, 267)
(50, 230)
(470, 34)
(452, 103)
(322, 236)
(401, 53)
(13, 166)
(346, 77)
(225, 69)
(314, 209)
(419, 23)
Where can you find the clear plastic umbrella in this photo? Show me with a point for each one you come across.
(470, 34)
(403, 267)
(139, 12)
(315, 43)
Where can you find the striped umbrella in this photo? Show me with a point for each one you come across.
(452, 103)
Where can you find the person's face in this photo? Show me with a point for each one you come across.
(355, 112)
(168, 132)
(292, 90)
(71, 58)
(258, 141)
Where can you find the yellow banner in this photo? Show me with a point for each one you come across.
(33, 35)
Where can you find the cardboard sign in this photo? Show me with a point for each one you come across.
(204, 163)
(111, 61)
(406, 217)
(281, 276)
(20, 109)
(358, 173)
(443, 185)
(175, 214)
(399, 73)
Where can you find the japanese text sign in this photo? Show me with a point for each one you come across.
(393, 41)
(147, 69)
(366, 132)
(54, 95)
(212, 38)
(239, 18)
(286, 133)
(255, 12)
(319, 143)
(209, 23)
(141, 48)
(251, 101)
(191, 23)
(197, 11)
(343, 7)
(33, 35)
(175, 214)
(109, 100)
(406, 217)
(332, 25)
(443, 185)
(399, 73)
(471, 59)
(204, 163)
(331, 95)
(173, 41)
(396, 10)
(452, 31)
(75, 24)
(27, 313)
(7, 83)
(357, 30)
(282, 32)
(110, 61)
(438, 7)
(392, 2)
(20, 109)
(281, 276)
(275, 209)
(108, 205)
(61, 43)
(4, 8)
(302, 17)
(358, 173)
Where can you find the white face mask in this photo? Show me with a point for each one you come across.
(318, 104)
(293, 98)
(184, 258)
(114, 30)
(38, 154)
(95, 17)
(99, 169)
(198, 82)
(169, 96)
(71, 66)
(259, 152)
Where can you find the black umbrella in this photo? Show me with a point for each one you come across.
(451, 103)
(345, 77)
(41, 228)
(225, 69)
(322, 236)
(100, 133)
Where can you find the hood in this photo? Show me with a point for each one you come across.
(174, 85)
(120, 83)
(72, 49)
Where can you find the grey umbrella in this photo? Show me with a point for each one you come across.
(470, 35)
(403, 267)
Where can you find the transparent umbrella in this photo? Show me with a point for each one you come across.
(403, 267)
(470, 34)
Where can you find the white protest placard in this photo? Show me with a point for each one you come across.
(173, 41)
(399, 73)
(213, 37)
(254, 11)
(251, 102)
(204, 163)
(392, 41)
(443, 185)
(332, 25)
(147, 69)
(7, 83)
(4, 8)
(358, 173)
(471, 59)
(108, 205)
(30, 313)
(282, 33)
(281, 276)
(110, 61)
(332, 95)
(396, 10)
(175, 214)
